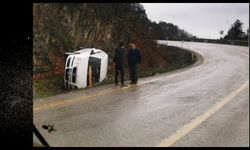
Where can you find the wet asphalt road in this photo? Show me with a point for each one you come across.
(148, 114)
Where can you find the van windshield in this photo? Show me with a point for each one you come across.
(95, 64)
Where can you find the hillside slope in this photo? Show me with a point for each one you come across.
(59, 28)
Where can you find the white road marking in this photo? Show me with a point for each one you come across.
(198, 120)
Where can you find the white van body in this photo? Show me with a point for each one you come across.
(76, 67)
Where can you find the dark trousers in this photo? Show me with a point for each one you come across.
(117, 72)
(133, 73)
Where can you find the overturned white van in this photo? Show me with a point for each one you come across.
(76, 73)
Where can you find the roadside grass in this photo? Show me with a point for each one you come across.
(48, 87)
(176, 57)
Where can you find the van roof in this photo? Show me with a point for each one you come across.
(87, 51)
(84, 51)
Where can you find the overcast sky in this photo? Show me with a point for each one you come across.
(204, 20)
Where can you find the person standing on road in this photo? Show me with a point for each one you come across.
(134, 57)
(119, 63)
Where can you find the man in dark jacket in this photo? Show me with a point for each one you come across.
(134, 57)
(118, 63)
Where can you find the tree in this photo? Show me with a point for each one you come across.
(235, 32)
(221, 34)
(246, 35)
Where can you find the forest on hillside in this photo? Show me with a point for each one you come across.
(58, 28)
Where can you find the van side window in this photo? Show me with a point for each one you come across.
(67, 74)
(68, 62)
(72, 61)
(74, 75)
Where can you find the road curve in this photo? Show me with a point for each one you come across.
(206, 104)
